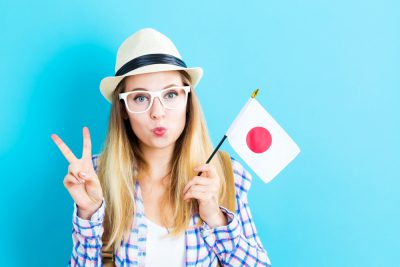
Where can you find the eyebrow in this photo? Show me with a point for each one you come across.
(144, 89)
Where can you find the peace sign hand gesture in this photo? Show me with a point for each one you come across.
(81, 181)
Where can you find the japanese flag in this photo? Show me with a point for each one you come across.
(260, 141)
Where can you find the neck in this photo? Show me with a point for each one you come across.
(159, 164)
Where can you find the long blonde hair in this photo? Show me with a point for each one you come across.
(121, 161)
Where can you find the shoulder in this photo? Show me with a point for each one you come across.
(242, 178)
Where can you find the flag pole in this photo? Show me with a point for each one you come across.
(253, 95)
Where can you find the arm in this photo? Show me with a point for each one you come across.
(86, 238)
(87, 235)
(238, 243)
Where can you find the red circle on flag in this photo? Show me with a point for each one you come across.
(259, 139)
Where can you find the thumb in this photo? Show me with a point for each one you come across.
(84, 176)
(92, 186)
(89, 178)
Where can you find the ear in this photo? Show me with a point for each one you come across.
(124, 114)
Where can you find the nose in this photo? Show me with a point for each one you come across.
(157, 110)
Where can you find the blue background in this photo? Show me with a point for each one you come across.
(328, 73)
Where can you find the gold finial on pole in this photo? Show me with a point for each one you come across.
(254, 94)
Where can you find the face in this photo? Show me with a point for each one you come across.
(143, 124)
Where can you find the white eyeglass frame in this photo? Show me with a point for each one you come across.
(153, 95)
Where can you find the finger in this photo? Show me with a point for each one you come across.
(70, 179)
(87, 144)
(193, 194)
(77, 177)
(197, 195)
(209, 190)
(64, 148)
(208, 168)
(85, 176)
(74, 169)
(198, 188)
(196, 180)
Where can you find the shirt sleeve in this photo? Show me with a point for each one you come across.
(86, 237)
(237, 243)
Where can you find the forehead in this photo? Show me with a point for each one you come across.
(152, 81)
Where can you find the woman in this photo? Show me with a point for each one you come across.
(143, 188)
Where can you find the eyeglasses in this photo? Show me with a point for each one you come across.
(141, 101)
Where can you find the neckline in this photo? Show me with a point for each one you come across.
(140, 209)
(155, 224)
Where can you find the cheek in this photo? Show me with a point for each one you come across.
(136, 125)
(182, 121)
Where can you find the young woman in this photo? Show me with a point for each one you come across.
(143, 189)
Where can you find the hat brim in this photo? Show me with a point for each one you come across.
(108, 84)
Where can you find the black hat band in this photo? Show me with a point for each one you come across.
(149, 59)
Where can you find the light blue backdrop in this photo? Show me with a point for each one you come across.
(328, 72)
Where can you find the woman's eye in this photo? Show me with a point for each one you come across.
(140, 98)
(171, 94)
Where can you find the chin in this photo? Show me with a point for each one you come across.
(160, 144)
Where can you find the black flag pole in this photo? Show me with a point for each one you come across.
(253, 95)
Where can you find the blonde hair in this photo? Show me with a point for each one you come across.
(121, 161)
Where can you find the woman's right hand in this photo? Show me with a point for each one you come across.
(81, 181)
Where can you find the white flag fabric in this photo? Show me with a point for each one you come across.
(260, 141)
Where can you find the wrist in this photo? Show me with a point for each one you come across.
(218, 220)
(86, 214)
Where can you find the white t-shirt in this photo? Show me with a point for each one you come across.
(161, 250)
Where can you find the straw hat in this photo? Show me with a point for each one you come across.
(147, 50)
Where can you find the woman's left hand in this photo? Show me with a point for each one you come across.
(205, 189)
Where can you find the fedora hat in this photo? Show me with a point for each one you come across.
(145, 51)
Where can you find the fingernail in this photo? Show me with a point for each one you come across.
(83, 174)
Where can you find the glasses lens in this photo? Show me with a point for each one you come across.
(174, 97)
(138, 101)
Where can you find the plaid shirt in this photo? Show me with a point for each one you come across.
(236, 244)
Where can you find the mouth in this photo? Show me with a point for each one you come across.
(159, 131)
